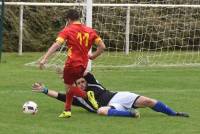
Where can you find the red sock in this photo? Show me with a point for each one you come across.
(73, 91)
(78, 92)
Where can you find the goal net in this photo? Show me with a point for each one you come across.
(40, 23)
(148, 34)
(136, 33)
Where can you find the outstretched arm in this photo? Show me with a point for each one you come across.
(77, 101)
(40, 88)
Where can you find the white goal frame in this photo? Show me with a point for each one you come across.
(89, 5)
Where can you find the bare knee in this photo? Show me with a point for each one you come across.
(148, 102)
(145, 102)
(103, 110)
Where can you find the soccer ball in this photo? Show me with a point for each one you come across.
(30, 107)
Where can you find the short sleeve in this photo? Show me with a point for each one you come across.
(62, 36)
(96, 38)
(60, 40)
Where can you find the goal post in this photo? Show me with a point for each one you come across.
(1, 27)
(89, 24)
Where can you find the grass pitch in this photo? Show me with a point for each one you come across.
(178, 87)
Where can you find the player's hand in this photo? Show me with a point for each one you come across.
(38, 87)
(42, 63)
(91, 57)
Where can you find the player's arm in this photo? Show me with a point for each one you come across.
(100, 48)
(40, 88)
(51, 50)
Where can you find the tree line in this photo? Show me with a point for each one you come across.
(150, 28)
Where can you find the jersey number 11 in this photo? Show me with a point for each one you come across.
(83, 38)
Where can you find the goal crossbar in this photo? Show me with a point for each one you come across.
(98, 4)
(43, 4)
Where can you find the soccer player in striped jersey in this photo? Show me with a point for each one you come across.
(111, 103)
(80, 39)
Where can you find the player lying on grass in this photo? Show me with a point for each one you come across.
(111, 103)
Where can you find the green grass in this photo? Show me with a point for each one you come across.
(178, 87)
(148, 58)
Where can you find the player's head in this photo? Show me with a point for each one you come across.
(72, 15)
(81, 83)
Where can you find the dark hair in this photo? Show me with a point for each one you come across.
(73, 15)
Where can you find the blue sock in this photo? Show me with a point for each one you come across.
(114, 112)
(161, 107)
